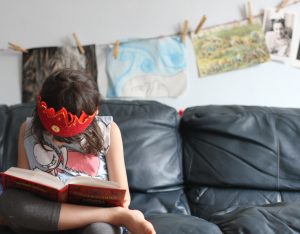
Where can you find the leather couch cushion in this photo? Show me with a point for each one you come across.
(160, 202)
(181, 224)
(17, 115)
(152, 145)
(207, 201)
(276, 218)
(4, 116)
(242, 146)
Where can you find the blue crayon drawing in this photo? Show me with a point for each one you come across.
(147, 68)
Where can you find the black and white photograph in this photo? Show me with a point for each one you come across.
(279, 30)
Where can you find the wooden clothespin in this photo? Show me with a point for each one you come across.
(17, 47)
(185, 30)
(202, 21)
(116, 49)
(281, 5)
(78, 44)
(250, 16)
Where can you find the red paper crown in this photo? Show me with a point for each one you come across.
(63, 123)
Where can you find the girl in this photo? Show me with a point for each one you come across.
(66, 138)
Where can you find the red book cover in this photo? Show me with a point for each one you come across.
(80, 190)
(9, 181)
(90, 195)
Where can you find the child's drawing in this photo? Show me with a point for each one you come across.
(147, 68)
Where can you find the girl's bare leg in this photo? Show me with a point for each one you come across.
(133, 220)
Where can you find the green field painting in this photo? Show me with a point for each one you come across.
(234, 46)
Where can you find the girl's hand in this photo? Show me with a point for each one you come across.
(126, 203)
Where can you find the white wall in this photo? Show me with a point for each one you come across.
(35, 23)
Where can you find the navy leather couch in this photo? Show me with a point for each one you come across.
(216, 169)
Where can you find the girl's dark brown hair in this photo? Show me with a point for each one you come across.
(77, 92)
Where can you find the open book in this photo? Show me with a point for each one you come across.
(79, 190)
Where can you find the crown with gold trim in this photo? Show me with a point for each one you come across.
(63, 123)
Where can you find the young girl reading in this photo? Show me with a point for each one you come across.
(66, 137)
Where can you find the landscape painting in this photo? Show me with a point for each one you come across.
(230, 47)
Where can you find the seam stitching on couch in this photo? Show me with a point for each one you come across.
(277, 148)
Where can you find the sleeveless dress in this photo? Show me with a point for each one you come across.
(67, 160)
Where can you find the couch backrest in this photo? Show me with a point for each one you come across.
(152, 147)
(250, 147)
(152, 144)
(240, 154)
(150, 132)
(153, 154)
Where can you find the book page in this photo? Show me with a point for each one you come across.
(35, 176)
(92, 181)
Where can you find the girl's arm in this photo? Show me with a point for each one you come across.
(132, 219)
(22, 158)
(115, 161)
